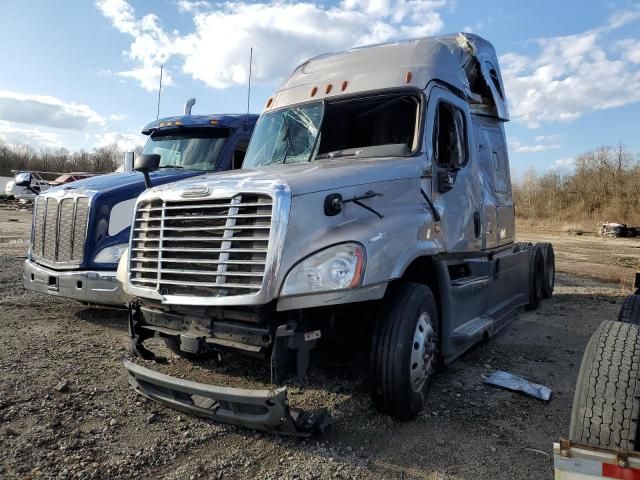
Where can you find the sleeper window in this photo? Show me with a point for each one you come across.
(449, 137)
(238, 153)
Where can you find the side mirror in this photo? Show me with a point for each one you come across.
(145, 164)
(23, 179)
(127, 161)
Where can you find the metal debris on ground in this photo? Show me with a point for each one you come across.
(510, 381)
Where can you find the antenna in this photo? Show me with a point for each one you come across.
(249, 89)
(159, 92)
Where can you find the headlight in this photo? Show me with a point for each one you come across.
(335, 268)
(110, 254)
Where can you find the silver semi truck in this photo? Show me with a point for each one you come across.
(374, 202)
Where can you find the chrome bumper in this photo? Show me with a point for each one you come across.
(265, 410)
(100, 288)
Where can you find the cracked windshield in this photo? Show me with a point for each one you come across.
(285, 136)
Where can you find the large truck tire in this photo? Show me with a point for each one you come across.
(549, 269)
(536, 277)
(606, 405)
(404, 350)
(630, 311)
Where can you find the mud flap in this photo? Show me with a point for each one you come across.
(264, 410)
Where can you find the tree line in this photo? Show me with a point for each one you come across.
(603, 186)
(23, 157)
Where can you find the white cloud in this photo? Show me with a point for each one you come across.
(33, 137)
(547, 138)
(46, 111)
(188, 6)
(282, 34)
(125, 141)
(571, 75)
(563, 163)
(622, 18)
(517, 147)
(151, 46)
(630, 50)
(118, 116)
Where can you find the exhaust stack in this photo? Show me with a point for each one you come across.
(187, 106)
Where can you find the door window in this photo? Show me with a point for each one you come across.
(449, 147)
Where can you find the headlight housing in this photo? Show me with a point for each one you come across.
(110, 254)
(335, 268)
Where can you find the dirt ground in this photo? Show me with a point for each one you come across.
(67, 411)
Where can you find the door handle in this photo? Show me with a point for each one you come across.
(477, 226)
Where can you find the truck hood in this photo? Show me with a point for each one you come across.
(317, 176)
(116, 181)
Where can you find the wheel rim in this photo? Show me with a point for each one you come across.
(423, 352)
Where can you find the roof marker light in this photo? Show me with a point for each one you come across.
(169, 124)
(408, 77)
(214, 122)
(177, 122)
(344, 85)
(162, 124)
(328, 89)
(314, 90)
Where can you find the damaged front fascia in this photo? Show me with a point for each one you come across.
(266, 410)
(478, 60)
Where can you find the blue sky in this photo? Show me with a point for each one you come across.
(79, 74)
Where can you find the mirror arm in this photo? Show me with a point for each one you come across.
(147, 180)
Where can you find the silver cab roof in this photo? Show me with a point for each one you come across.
(466, 62)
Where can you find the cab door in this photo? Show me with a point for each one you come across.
(455, 185)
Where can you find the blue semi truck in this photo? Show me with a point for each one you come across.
(81, 229)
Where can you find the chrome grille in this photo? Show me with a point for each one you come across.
(214, 247)
(59, 230)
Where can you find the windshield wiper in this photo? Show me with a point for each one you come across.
(287, 136)
(170, 166)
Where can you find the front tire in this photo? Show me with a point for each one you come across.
(404, 350)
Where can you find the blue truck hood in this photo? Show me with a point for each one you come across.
(116, 181)
(106, 192)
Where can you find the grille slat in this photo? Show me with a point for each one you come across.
(59, 230)
(222, 244)
(206, 217)
(197, 229)
(200, 250)
(203, 205)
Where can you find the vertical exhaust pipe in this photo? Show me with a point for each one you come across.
(187, 106)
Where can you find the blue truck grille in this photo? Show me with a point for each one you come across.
(214, 247)
(59, 230)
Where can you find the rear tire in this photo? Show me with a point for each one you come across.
(630, 311)
(549, 269)
(606, 405)
(404, 350)
(536, 277)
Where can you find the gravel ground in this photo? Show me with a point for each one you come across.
(67, 411)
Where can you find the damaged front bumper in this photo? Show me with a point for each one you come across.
(264, 410)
